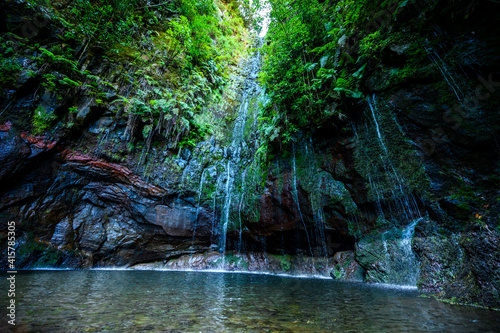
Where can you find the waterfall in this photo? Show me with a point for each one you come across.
(296, 198)
(376, 122)
(411, 262)
(214, 218)
(240, 239)
(319, 224)
(405, 202)
(238, 149)
(312, 181)
(227, 207)
(200, 191)
(392, 195)
(441, 65)
(401, 262)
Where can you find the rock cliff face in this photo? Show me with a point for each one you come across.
(415, 173)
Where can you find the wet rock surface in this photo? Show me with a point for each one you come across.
(255, 262)
(462, 267)
(388, 257)
(346, 267)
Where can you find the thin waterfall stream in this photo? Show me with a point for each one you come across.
(200, 192)
(234, 170)
(395, 244)
(296, 198)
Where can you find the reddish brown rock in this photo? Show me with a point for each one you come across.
(117, 172)
(277, 204)
(39, 142)
(6, 126)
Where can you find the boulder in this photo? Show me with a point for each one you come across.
(346, 267)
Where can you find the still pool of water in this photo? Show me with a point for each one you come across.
(164, 301)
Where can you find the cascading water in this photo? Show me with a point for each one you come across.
(214, 218)
(313, 180)
(296, 198)
(448, 77)
(319, 226)
(405, 201)
(393, 198)
(370, 104)
(227, 207)
(233, 166)
(401, 263)
(410, 259)
(200, 191)
(240, 236)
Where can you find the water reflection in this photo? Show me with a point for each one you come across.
(133, 301)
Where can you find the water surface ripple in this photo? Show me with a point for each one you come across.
(162, 301)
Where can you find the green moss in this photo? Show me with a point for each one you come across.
(50, 258)
(179, 69)
(457, 301)
(9, 71)
(230, 259)
(389, 165)
(320, 264)
(44, 255)
(42, 120)
(250, 121)
(336, 273)
(285, 261)
(354, 229)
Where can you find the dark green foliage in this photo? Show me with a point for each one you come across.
(321, 54)
(285, 262)
(292, 72)
(9, 67)
(42, 120)
(231, 260)
(39, 253)
(176, 56)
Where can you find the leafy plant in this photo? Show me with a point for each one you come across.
(9, 69)
(285, 262)
(42, 120)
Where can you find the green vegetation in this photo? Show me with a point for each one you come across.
(232, 260)
(9, 67)
(42, 120)
(175, 57)
(41, 253)
(285, 261)
(323, 57)
(339, 271)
